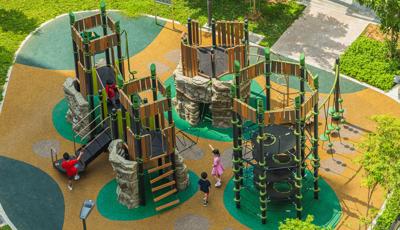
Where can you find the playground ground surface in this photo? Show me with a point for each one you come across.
(26, 125)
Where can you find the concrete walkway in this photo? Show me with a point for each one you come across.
(324, 31)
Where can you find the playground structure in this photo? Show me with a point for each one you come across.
(139, 122)
(277, 152)
(203, 77)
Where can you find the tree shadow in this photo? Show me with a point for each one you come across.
(320, 42)
(16, 21)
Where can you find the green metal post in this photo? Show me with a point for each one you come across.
(267, 74)
(138, 148)
(114, 124)
(302, 100)
(120, 125)
(315, 161)
(337, 115)
(240, 124)
(104, 101)
(119, 49)
(89, 79)
(101, 105)
(74, 46)
(104, 25)
(95, 82)
(262, 163)
(236, 151)
(298, 158)
(154, 90)
(213, 34)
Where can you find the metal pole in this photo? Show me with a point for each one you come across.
(240, 129)
(104, 25)
(213, 34)
(213, 74)
(236, 150)
(84, 224)
(298, 158)
(89, 79)
(154, 91)
(315, 161)
(302, 122)
(209, 12)
(74, 46)
(138, 148)
(119, 49)
(262, 164)
(336, 115)
(267, 55)
(171, 124)
(189, 25)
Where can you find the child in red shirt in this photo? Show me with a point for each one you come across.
(70, 168)
(111, 91)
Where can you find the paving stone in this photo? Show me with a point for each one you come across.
(341, 147)
(192, 222)
(192, 153)
(333, 165)
(42, 148)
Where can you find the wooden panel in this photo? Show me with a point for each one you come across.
(310, 80)
(154, 108)
(131, 143)
(77, 38)
(145, 143)
(279, 117)
(111, 24)
(103, 43)
(125, 102)
(82, 80)
(308, 105)
(169, 133)
(161, 88)
(137, 85)
(244, 110)
(88, 22)
(252, 72)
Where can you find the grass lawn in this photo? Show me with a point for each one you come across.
(367, 60)
(19, 17)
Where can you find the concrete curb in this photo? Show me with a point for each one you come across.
(6, 219)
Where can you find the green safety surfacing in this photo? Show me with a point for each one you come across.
(326, 210)
(205, 129)
(63, 127)
(109, 207)
(51, 46)
(29, 196)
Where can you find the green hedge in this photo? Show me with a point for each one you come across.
(5, 227)
(391, 212)
(367, 60)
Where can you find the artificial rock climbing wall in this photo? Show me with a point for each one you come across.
(126, 175)
(78, 108)
(181, 170)
(192, 92)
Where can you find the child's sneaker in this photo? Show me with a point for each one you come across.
(70, 187)
(205, 203)
(218, 184)
(77, 177)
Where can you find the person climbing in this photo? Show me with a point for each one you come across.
(111, 91)
(70, 166)
(218, 168)
(204, 186)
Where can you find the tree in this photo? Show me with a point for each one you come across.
(389, 13)
(296, 224)
(381, 159)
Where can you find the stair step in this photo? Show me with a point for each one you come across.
(159, 167)
(161, 177)
(159, 208)
(163, 186)
(159, 156)
(169, 193)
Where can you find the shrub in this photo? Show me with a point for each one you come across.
(366, 60)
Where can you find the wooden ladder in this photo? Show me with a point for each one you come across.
(165, 189)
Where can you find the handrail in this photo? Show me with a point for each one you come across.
(131, 72)
(90, 132)
(88, 114)
(84, 147)
(84, 128)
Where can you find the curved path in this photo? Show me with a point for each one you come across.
(26, 120)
